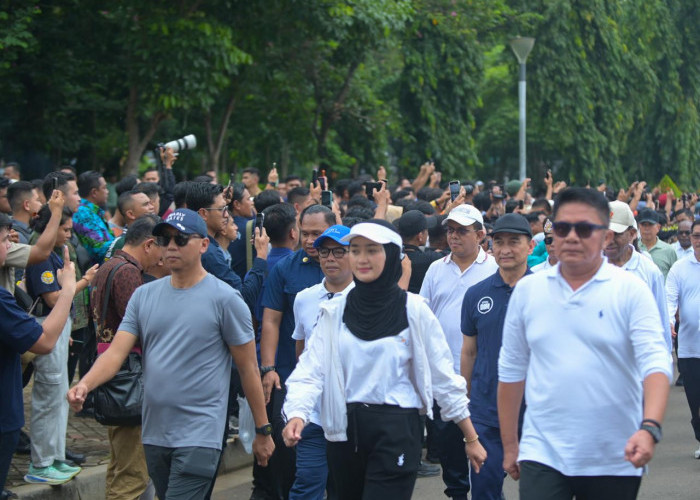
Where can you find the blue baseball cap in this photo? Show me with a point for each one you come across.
(184, 220)
(335, 233)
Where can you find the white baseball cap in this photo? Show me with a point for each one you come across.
(465, 215)
(374, 232)
(621, 216)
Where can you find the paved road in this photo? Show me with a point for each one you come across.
(673, 475)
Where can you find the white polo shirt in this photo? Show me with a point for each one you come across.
(542, 266)
(683, 292)
(306, 310)
(644, 268)
(583, 354)
(680, 251)
(444, 286)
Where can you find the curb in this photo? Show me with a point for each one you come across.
(90, 483)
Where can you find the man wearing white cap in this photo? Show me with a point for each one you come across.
(621, 252)
(445, 284)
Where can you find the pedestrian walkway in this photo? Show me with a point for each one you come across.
(88, 437)
(84, 436)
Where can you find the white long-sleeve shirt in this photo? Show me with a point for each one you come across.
(583, 354)
(306, 311)
(644, 268)
(683, 292)
(319, 373)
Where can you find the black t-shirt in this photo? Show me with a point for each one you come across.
(420, 262)
(18, 332)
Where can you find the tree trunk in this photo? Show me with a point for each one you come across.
(215, 144)
(137, 144)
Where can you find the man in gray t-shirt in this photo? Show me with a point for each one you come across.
(189, 326)
(185, 335)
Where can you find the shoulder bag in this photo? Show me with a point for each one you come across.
(119, 401)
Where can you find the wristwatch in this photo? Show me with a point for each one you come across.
(654, 429)
(265, 369)
(265, 430)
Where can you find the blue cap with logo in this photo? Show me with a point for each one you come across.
(184, 220)
(335, 233)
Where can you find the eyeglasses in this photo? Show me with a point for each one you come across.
(548, 240)
(180, 239)
(583, 229)
(223, 209)
(338, 252)
(695, 236)
(461, 231)
(683, 233)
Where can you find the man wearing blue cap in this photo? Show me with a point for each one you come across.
(483, 313)
(312, 466)
(187, 344)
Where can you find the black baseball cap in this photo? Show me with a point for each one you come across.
(413, 222)
(648, 215)
(512, 223)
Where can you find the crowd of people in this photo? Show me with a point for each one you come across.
(363, 320)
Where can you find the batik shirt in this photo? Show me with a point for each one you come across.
(92, 230)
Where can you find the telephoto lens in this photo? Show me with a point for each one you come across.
(187, 142)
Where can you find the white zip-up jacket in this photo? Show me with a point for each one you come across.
(319, 371)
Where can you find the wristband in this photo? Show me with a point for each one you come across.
(652, 422)
(266, 369)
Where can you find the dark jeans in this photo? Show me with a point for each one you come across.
(381, 457)
(181, 473)
(690, 369)
(8, 443)
(278, 477)
(540, 482)
(488, 483)
(453, 457)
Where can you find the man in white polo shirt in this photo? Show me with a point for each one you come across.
(683, 293)
(592, 334)
(445, 284)
(621, 252)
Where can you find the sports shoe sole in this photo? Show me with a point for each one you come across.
(31, 479)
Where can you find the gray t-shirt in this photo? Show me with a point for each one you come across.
(184, 335)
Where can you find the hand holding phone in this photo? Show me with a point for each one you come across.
(455, 186)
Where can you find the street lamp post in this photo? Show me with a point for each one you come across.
(521, 48)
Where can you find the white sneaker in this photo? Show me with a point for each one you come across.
(697, 453)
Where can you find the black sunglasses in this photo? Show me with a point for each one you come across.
(583, 229)
(180, 239)
(338, 252)
(548, 240)
(684, 233)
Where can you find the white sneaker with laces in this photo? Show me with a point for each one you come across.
(697, 453)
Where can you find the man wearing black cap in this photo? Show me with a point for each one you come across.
(413, 227)
(661, 252)
(187, 345)
(483, 313)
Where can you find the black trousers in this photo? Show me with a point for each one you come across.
(381, 457)
(690, 369)
(541, 482)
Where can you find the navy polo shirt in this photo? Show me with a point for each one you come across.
(18, 332)
(290, 276)
(214, 262)
(483, 314)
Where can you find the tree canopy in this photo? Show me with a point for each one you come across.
(613, 87)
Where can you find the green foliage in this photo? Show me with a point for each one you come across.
(613, 87)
